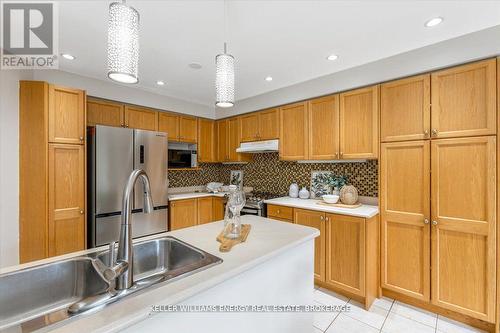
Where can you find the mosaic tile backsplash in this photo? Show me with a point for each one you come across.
(267, 173)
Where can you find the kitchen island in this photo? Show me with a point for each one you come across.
(273, 267)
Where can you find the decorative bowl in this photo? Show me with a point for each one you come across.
(330, 198)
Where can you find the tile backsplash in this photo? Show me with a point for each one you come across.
(267, 173)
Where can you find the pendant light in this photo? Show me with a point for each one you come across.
(224, 75)
(123, 43)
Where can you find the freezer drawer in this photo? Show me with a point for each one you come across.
(108, 228)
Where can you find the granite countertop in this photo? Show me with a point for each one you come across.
(366, 211)
(192, 195)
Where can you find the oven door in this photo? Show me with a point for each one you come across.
(247, 210)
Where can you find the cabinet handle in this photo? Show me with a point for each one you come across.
(278, 211)
(434, 222)
(81, 212)
(327, 219)
(336, 154)
(426, 133)
(341, 153)
(434, 132)
(81, 138)
(322, 218)
(426, 221)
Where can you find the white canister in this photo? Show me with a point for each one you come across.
(293, 192)
(304, 193)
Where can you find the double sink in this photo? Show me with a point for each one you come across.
(36, 297)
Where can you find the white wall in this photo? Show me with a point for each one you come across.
(477, 45)
(118, 92)
(9, 165)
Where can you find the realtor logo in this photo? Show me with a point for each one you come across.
(29, 37)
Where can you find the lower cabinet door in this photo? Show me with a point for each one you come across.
(217, 209)
(405, 214)
(464, 225)
(345, 253)
(66, 198)
(205, 214)
(183, 214)
(316, 220)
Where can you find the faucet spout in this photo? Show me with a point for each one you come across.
(125, 253)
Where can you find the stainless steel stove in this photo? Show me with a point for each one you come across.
(254, 204)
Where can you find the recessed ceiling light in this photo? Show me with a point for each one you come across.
(433, 22)
(194, 65)
(269, 78)
(332, 57)
(160, 83)
(68, 56)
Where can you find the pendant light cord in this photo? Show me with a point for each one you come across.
(225, 27)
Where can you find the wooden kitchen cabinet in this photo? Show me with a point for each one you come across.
(106, 113)
(52, 162)
(218, 208)
(250, 127)
(316, 220)
(281, 213)
(359, 123)
(207, 151)
(66, 194)
(190, 212)
(228, 132)
(324, 128)
(141, 118)
(188, 129)
(464, 100)
(205, 210)
(463, 258)
(179, 128)
(262, 125)
(352, 256)
(405, 218)
(169, 123)
(294, 131)
(405, 109)
(183, 213)
(66, 115)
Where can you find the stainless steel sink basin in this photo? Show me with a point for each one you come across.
(39, 296)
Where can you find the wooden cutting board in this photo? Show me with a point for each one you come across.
(228, 243)
(340, 205)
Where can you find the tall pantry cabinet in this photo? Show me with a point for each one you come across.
(51, 170)
(438, 189)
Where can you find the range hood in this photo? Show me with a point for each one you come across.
(268, 146)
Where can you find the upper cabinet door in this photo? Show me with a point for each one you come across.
(405, 216)
(464, 225)
(293, 132)
(188, 129)
(222, 141)
(250, 127)
(206, 141)
(359, 123)
(105, 113)
(464, 100)
(141, 118)
(405, 109)
(66, 115)
(324, 128)
(169, 123)
(269, 124)
(234, 141)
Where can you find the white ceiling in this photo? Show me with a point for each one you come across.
(288, 40)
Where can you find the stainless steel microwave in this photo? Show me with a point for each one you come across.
(182, 155)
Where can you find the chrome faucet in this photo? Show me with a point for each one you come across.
(124, 280)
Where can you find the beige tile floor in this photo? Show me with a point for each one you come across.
(385, 315)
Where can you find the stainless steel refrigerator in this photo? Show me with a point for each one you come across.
(112, 154)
